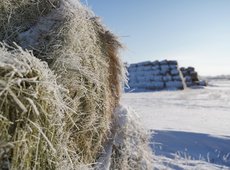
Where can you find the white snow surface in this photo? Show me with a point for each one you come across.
(190, 128)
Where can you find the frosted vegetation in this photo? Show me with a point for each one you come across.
(60, 87)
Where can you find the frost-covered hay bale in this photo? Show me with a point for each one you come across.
(174, 85)
(32, 134)
(84, 55)
(145, 63)
(18, 16)
(93, 74)
(176, 78)
(174, 72)
(165, 67)
(157, 85)
(156, 67)
(172, 62)
(202, 83)
(131, 144)
(167, 78)
(157, 78)
(173, 67)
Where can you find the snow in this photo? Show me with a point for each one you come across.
(128, 139)
(191, 128)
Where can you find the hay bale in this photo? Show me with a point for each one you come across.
(202, 83)
(157, 78)
(145, 63)
(131, 69)
(167, 78)
(94, 81)
(172, 67)
(158, 85)
(194, 76)
(189, 83)
(32, 115)
(164, 62)
(147, 68)
(131, 145)
(191, 69)
(156, 72)
(182, 69)
(156, 67)
(172, 62)
(155, 63)
(174, 85)
(185, 73)
(133, 65)
(177, 78)
(165, 67)
(85, 56)
(174, 72)
(18, 16)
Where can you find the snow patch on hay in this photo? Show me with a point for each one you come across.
(131, 143)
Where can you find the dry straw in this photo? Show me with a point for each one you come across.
(31, 113)
(33, 116)
(86, 65)
(131, 142)
(19, 15)
(85, 56)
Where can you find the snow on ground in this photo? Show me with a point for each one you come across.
(191, 128)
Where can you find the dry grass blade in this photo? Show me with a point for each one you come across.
(32, 115)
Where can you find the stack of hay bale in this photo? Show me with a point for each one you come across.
(191, 77)
(157, 75)
(162, 75)
(60, 84)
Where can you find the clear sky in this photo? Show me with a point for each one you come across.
(194, 32)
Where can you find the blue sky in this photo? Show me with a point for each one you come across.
(194, 32)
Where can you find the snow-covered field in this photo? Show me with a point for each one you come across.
(190, 128)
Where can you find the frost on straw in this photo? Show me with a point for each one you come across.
(19, 15)
(84, 55)
(131, 142)
(32, 115)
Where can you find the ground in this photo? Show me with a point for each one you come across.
(190, 128)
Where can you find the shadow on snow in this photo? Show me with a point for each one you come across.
(191, 146)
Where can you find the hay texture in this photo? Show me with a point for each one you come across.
(31, 113)
(33, 116)
(19, 15)
(85, 57)
(83, 54)
(131, 142)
